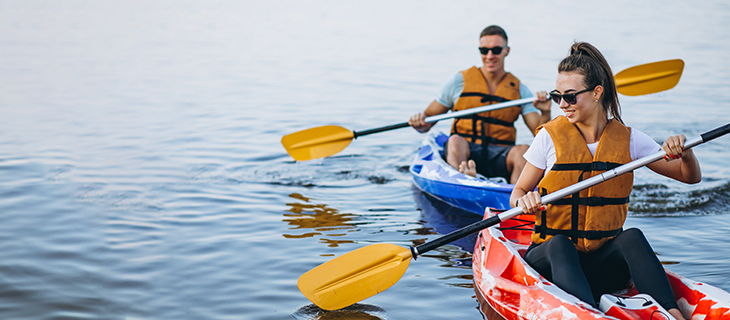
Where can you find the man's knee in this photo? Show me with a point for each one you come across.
(515, 158)
(456, 139)
(457, 144)
(516, 152)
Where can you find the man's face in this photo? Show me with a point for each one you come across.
(493, 62)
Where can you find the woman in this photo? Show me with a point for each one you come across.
(578, 241)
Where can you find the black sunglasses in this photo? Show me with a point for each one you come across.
(570, 98)
(495, 50)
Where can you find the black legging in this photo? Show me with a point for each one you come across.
(589, 275)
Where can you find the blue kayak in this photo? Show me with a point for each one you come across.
(434, 176)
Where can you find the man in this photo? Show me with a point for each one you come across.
(485, 143)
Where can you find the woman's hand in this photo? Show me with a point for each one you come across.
(686, 170)
(674, 147)
(531, 202)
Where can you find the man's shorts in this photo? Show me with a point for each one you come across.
(492, 163)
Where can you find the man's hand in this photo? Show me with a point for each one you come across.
(542, 102)
(417, 121)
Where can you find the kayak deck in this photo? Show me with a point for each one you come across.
(434, 176)
(516, 291)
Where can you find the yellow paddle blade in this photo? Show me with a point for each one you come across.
(355, 276)
(649, 78)
(319, 142)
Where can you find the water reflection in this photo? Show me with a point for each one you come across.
(438, 217)
(422, 231)
(486, 309)
(467, 278)
(356, 311)
(443, 218)
(319, 217)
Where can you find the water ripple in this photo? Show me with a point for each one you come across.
(658, 200)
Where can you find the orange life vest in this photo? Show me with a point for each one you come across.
(492, 127)
(594, 215)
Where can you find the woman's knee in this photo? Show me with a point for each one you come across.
(633, 235)
(560, 243)
(632, 240)
(561, 239)
(557, 254)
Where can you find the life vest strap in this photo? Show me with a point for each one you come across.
(496, 121)
(489, 120)
(485, 97)
(592, 201)
(585, 234)
(486, 140)
(583, 167)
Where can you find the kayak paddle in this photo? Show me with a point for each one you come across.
(649, 78)
(367, 271)
(324, 141)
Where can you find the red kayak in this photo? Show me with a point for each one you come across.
(516, 291)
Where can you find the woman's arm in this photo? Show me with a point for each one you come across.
(523, 192)
(680, 164)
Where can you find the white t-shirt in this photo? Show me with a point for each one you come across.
(541, 153)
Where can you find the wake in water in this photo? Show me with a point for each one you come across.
(658, 200)
(333, 172)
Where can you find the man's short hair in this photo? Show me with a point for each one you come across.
(494, 30)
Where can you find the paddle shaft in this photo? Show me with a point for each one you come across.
(325, 141)
(457, 114)
(562, 193)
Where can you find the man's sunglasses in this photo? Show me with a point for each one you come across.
(570, 98)
(495, 50)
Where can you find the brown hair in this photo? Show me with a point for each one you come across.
(585, 59)
(494, 30)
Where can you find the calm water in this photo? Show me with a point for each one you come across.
(142, 175)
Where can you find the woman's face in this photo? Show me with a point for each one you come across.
(586, 107)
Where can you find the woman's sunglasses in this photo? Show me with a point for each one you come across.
(570, 98)
(495, 50)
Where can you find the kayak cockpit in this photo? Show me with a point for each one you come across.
(516, 291)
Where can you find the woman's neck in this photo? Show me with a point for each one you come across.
(592, 130)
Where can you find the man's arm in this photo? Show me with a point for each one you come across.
(533, 119)
(417, 120)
